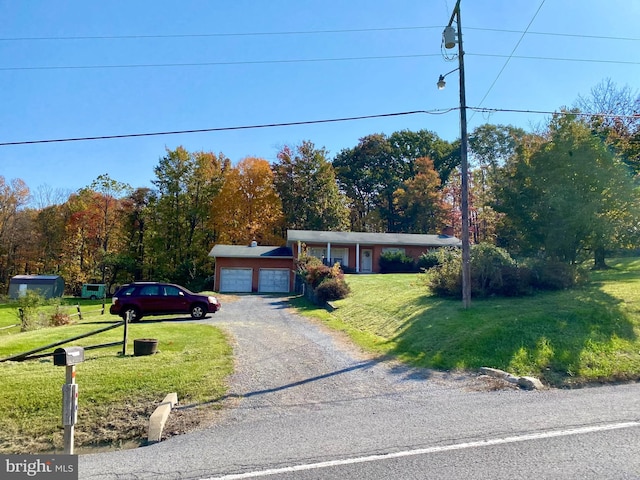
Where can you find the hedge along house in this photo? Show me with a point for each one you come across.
(48, 286)
(360, 252)
(253, 268)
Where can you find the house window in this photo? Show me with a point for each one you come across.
(320, 253)
(338, 255)
(392, 250)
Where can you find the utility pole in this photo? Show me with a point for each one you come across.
(451, 37)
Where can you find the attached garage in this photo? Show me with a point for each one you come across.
(274, 280)
(253, 268)
(236, 280)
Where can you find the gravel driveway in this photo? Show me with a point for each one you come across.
(300, 393)
(285, 361)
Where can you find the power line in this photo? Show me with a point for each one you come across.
(208, 64)
(208, 35)
(314, 122)
(223, 129)
(556, 34)
(550, 112)
(555, 59)
(512, 52)
(299, 32)
(308, 60)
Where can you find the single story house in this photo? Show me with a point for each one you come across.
(360, 251)
(271, 269)
(48, 286)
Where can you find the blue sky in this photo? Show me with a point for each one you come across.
(251, 62)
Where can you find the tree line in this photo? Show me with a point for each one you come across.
(563, 192)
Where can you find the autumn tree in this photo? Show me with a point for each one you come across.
(420, 200)
(492, 147)
(49, 225)
(80, 259)
(178, 237)
(248, 207)
(109, 231)
(408, 146)
(361, 176)
(306, 183)
(14, 195)
(137, 215)
(371, 172)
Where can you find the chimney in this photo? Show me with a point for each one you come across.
(448, 230)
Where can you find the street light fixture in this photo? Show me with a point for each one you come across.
(450, 39)
(441, 83)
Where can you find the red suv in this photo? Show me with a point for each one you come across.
(140, 299)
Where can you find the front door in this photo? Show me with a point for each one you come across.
(366, 260)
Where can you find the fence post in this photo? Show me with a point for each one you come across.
(126, 333)
(79, 312)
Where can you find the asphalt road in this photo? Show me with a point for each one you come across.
(305, 404)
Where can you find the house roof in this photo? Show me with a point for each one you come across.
(245, 251)
(36, 278)
(367, 238)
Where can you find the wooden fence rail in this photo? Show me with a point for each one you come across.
(30, 354)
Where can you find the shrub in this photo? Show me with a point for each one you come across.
(487, 265)
(396, 262)
(316, 274)
(332, 289)
(58, 316)
(428, 260)
(326, 282)
(28, 305)
(304, 262)
(516, 281)
(445, 280)
(493, 272)
(550, 274)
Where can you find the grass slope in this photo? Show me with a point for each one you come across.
(567, 338)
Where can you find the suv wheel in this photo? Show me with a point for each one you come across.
(198, 311)
(132, 313)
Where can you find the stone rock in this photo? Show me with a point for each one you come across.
(493, 372)
(530, 383)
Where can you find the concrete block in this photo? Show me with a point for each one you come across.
(159, 418)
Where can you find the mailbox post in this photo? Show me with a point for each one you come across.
(69, 357)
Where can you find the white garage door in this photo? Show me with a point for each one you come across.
(272, 280)
(235, 279)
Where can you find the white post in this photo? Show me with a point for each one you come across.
(69, 408)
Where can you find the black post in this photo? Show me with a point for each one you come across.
(126, 333)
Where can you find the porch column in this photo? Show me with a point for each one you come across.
(329, 254)
(357, 258)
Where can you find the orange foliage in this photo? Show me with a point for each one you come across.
(248, 207)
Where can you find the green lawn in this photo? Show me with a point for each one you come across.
(117, 393)
(567, 338)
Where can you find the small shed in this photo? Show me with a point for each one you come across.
(93, 290)
(48, 286)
